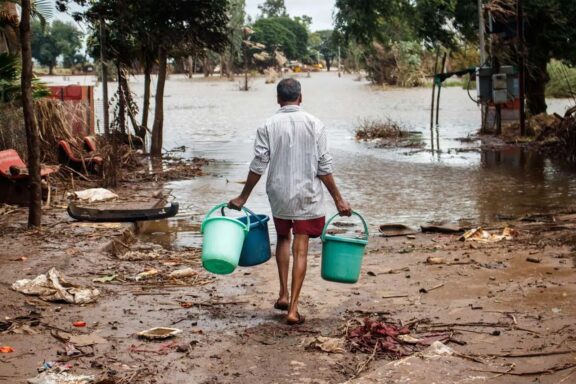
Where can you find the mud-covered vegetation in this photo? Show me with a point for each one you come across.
(387, 133)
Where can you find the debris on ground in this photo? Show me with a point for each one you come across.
(159, 333)
(21, 324)
(93, 195)
(52, 286)
(483, 236)
(441, 228)
(6, 349)
(186, 272)
(146, 274)
(87, 340)
(384, 339)
(435, 260)
(325, 344)
(105, 279)
(391, 230)
(49, 377)
(79, 323)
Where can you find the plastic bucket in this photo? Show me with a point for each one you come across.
(223, 241)
(256, 249)
(342, 256)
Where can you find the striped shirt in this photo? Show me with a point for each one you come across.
(293, 145)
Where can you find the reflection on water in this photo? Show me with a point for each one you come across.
(410, 186)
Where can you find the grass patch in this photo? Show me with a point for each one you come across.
(380, 129)
(387, 133)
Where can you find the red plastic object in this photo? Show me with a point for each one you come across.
(79, 323)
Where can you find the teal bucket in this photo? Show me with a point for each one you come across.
(342, 256)
(222, 242)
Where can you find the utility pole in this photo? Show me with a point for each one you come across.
(481, 33)
(521, 69)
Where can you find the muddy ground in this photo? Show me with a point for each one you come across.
(489, 298)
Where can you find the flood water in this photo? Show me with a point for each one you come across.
(213, 119)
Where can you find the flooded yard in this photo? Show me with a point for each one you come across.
(213, 119)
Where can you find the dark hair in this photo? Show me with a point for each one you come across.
(288, 90)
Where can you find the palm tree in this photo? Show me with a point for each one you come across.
(8, 27)
(8, 22)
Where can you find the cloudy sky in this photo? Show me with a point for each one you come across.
(319, 10)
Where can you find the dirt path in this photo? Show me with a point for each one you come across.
(488, 296)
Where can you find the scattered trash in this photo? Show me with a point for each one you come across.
(186, 272)
(87, 340)
(533, 259)
(159, 333)
(49, 377)
(147, 274)
(6, 349)
(380, 338)
(70, 350)
(426, 290)
(325, 344)
(21, 324)
(480, 235)
(94, 194)
(443, 228)
(105, 279)
(162, 350)
(53, 287)
(391, 230)
(435, 260)
(79, 323)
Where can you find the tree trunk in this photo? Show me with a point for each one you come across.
(146, 102)
(9, 33)
(32, 136)
(156, 147)
(51, 69)
(121, 101)
(190, 67)
(104, 79)
(536, 79)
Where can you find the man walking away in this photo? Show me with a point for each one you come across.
(292, 144)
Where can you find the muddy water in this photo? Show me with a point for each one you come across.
(213, 119)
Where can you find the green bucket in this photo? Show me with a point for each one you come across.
(342, 256)
(223, 241)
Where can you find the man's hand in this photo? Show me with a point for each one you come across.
(237, 203)
(343, 207)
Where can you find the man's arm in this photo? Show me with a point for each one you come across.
(342, 205)
(257, 168)
(238, 202)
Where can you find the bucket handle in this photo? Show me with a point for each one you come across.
(323, 236)
(222, 206)
(261, 222)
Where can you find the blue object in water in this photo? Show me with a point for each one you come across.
(256, 248)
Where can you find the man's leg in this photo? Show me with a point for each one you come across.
(283, 263)
(300, 252)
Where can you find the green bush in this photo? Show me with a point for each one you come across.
(562, 82)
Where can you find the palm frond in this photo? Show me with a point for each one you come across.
(9, 67)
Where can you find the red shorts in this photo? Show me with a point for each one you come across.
(312, 227)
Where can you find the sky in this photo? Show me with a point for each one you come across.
(320, 11)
